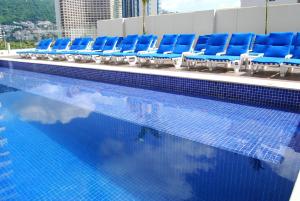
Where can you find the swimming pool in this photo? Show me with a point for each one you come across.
(69, 139)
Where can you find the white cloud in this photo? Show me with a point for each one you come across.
(196, 5)
(166, 176)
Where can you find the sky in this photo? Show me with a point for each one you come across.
(196, 5)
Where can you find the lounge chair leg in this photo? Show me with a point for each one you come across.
(283, 71)
(177, 63)
(132, 61)
(210, 66)
(236, 69)
(290, 70)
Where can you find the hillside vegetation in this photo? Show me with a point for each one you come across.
(23, 10)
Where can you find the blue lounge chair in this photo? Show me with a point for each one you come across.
(183, 45)
(166, 45)
(294, 61)
(110, 45)
(41, 46)
(78, 44)
(278, 49)
(128, 45)
(59, 45)
(215, 45)
(259, 47)
(52, 55)
(238, 46)
(143, 44)
(201, 43)
(98, 45)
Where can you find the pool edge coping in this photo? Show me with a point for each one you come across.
(253, 81)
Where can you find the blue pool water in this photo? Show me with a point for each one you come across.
(67, 139)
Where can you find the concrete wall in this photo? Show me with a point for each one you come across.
(252, 19)
(110, 27)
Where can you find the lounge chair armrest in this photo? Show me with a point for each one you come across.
(146, 52)
(288, 56)
(199, 53)
(220, 53)
(128, 51)
(253, 54)
(189, 54)
(154, 49)
(111, 51)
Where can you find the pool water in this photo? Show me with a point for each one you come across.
(67, 139)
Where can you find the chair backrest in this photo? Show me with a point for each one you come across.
(293, 44)
(64, 43)
(44, 44)
(216, 43)
(119, 43)
(167, 43)
(84, 43)
(144, 43)
(239, 44)
(154, 41)
(184, 43)
(76, 44)
(201, 43)
(39, 45)
(279, 44)
(261, 43)
(110, 43)
(129, 42)
(296, 51)
(57, 43)
(99, 43)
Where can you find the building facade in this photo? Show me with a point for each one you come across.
(79, 17)
(134, 8)
(251, 3)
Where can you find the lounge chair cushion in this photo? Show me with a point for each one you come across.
(216, 44)
(292, 62)
(279, 44)
(123, 54)
(143, 43)
(167, 56)
(261, 43)
(198, 57)
(224, 58)
(201, 43)
(184, 43)
(268, 60)
(129, 43)
(239, 44)
(99, 43)
(149, 55)
(167, 43)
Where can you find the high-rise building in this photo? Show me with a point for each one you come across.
(134, 8)
(116, 8)
(250, 3)
(79, 17)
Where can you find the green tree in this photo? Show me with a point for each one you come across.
(145, 3)
(21, 10)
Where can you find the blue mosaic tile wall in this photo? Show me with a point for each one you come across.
(248, 94)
